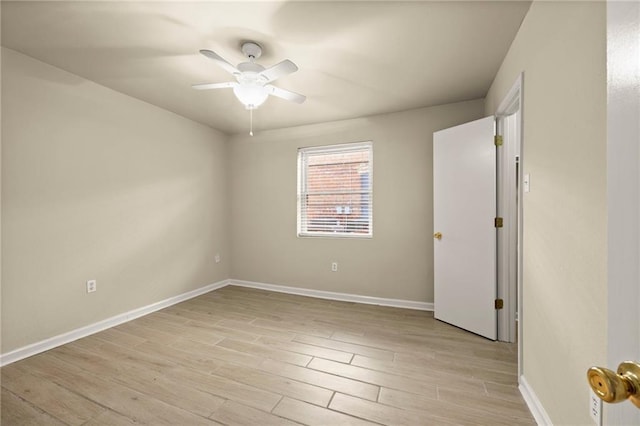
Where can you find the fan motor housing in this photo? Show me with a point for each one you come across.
(250, 67)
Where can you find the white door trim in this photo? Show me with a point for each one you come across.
(511, 241)
(623, 194)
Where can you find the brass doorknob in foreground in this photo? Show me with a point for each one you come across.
(437, 236)
(616, 387)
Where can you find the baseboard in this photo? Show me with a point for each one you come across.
(345, 297)
(78, 333)
(61, 339)
(535, 406)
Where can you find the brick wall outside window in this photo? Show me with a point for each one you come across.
(338, 192)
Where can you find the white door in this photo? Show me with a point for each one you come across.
(623, 188)
(464, 197)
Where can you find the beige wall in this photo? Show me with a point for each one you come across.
(561, 49)
(397, 262)
(98, 185)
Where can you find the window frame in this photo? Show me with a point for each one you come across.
(301, 188)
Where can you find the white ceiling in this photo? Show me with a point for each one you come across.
(356, 58)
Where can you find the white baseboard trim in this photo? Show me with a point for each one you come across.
(345, 297)
(78, 333)
(61, 339)
(535, 406)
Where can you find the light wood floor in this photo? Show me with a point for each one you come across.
(240, 356)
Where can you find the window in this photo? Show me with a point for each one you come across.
(335, 190)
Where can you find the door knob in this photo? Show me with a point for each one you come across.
(616, 387)
(437, 236)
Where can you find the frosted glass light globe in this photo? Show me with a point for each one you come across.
(251, 95)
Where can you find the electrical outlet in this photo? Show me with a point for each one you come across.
(334, 267)
(92, 285)
(595, 408)
(217, 258)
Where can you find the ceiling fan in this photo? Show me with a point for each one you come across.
(252, 86)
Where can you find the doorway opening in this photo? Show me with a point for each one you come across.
(510, 187)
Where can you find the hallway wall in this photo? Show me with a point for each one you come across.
(561, 48)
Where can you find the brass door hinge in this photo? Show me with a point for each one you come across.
(499, 303)
(497, 140)
(498, 222)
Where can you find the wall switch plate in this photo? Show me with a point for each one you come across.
(595, 408)
(217, 258)
(92, 285)
(526, 182)
(334, 267)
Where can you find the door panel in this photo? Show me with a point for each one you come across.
(464, 174)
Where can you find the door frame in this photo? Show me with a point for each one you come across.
(623, 195)
(510, 240)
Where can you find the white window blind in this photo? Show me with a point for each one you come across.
(335, 190)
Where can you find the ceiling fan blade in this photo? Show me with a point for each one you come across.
(278, 70)
(285, 94)
(208, 86)
(220, 61)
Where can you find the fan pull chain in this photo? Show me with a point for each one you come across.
(251, 122)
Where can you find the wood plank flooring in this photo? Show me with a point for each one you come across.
(239, 356)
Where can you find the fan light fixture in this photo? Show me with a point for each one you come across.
(252, 87)
(251, 95)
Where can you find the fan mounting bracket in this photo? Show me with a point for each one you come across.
(251, 50)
